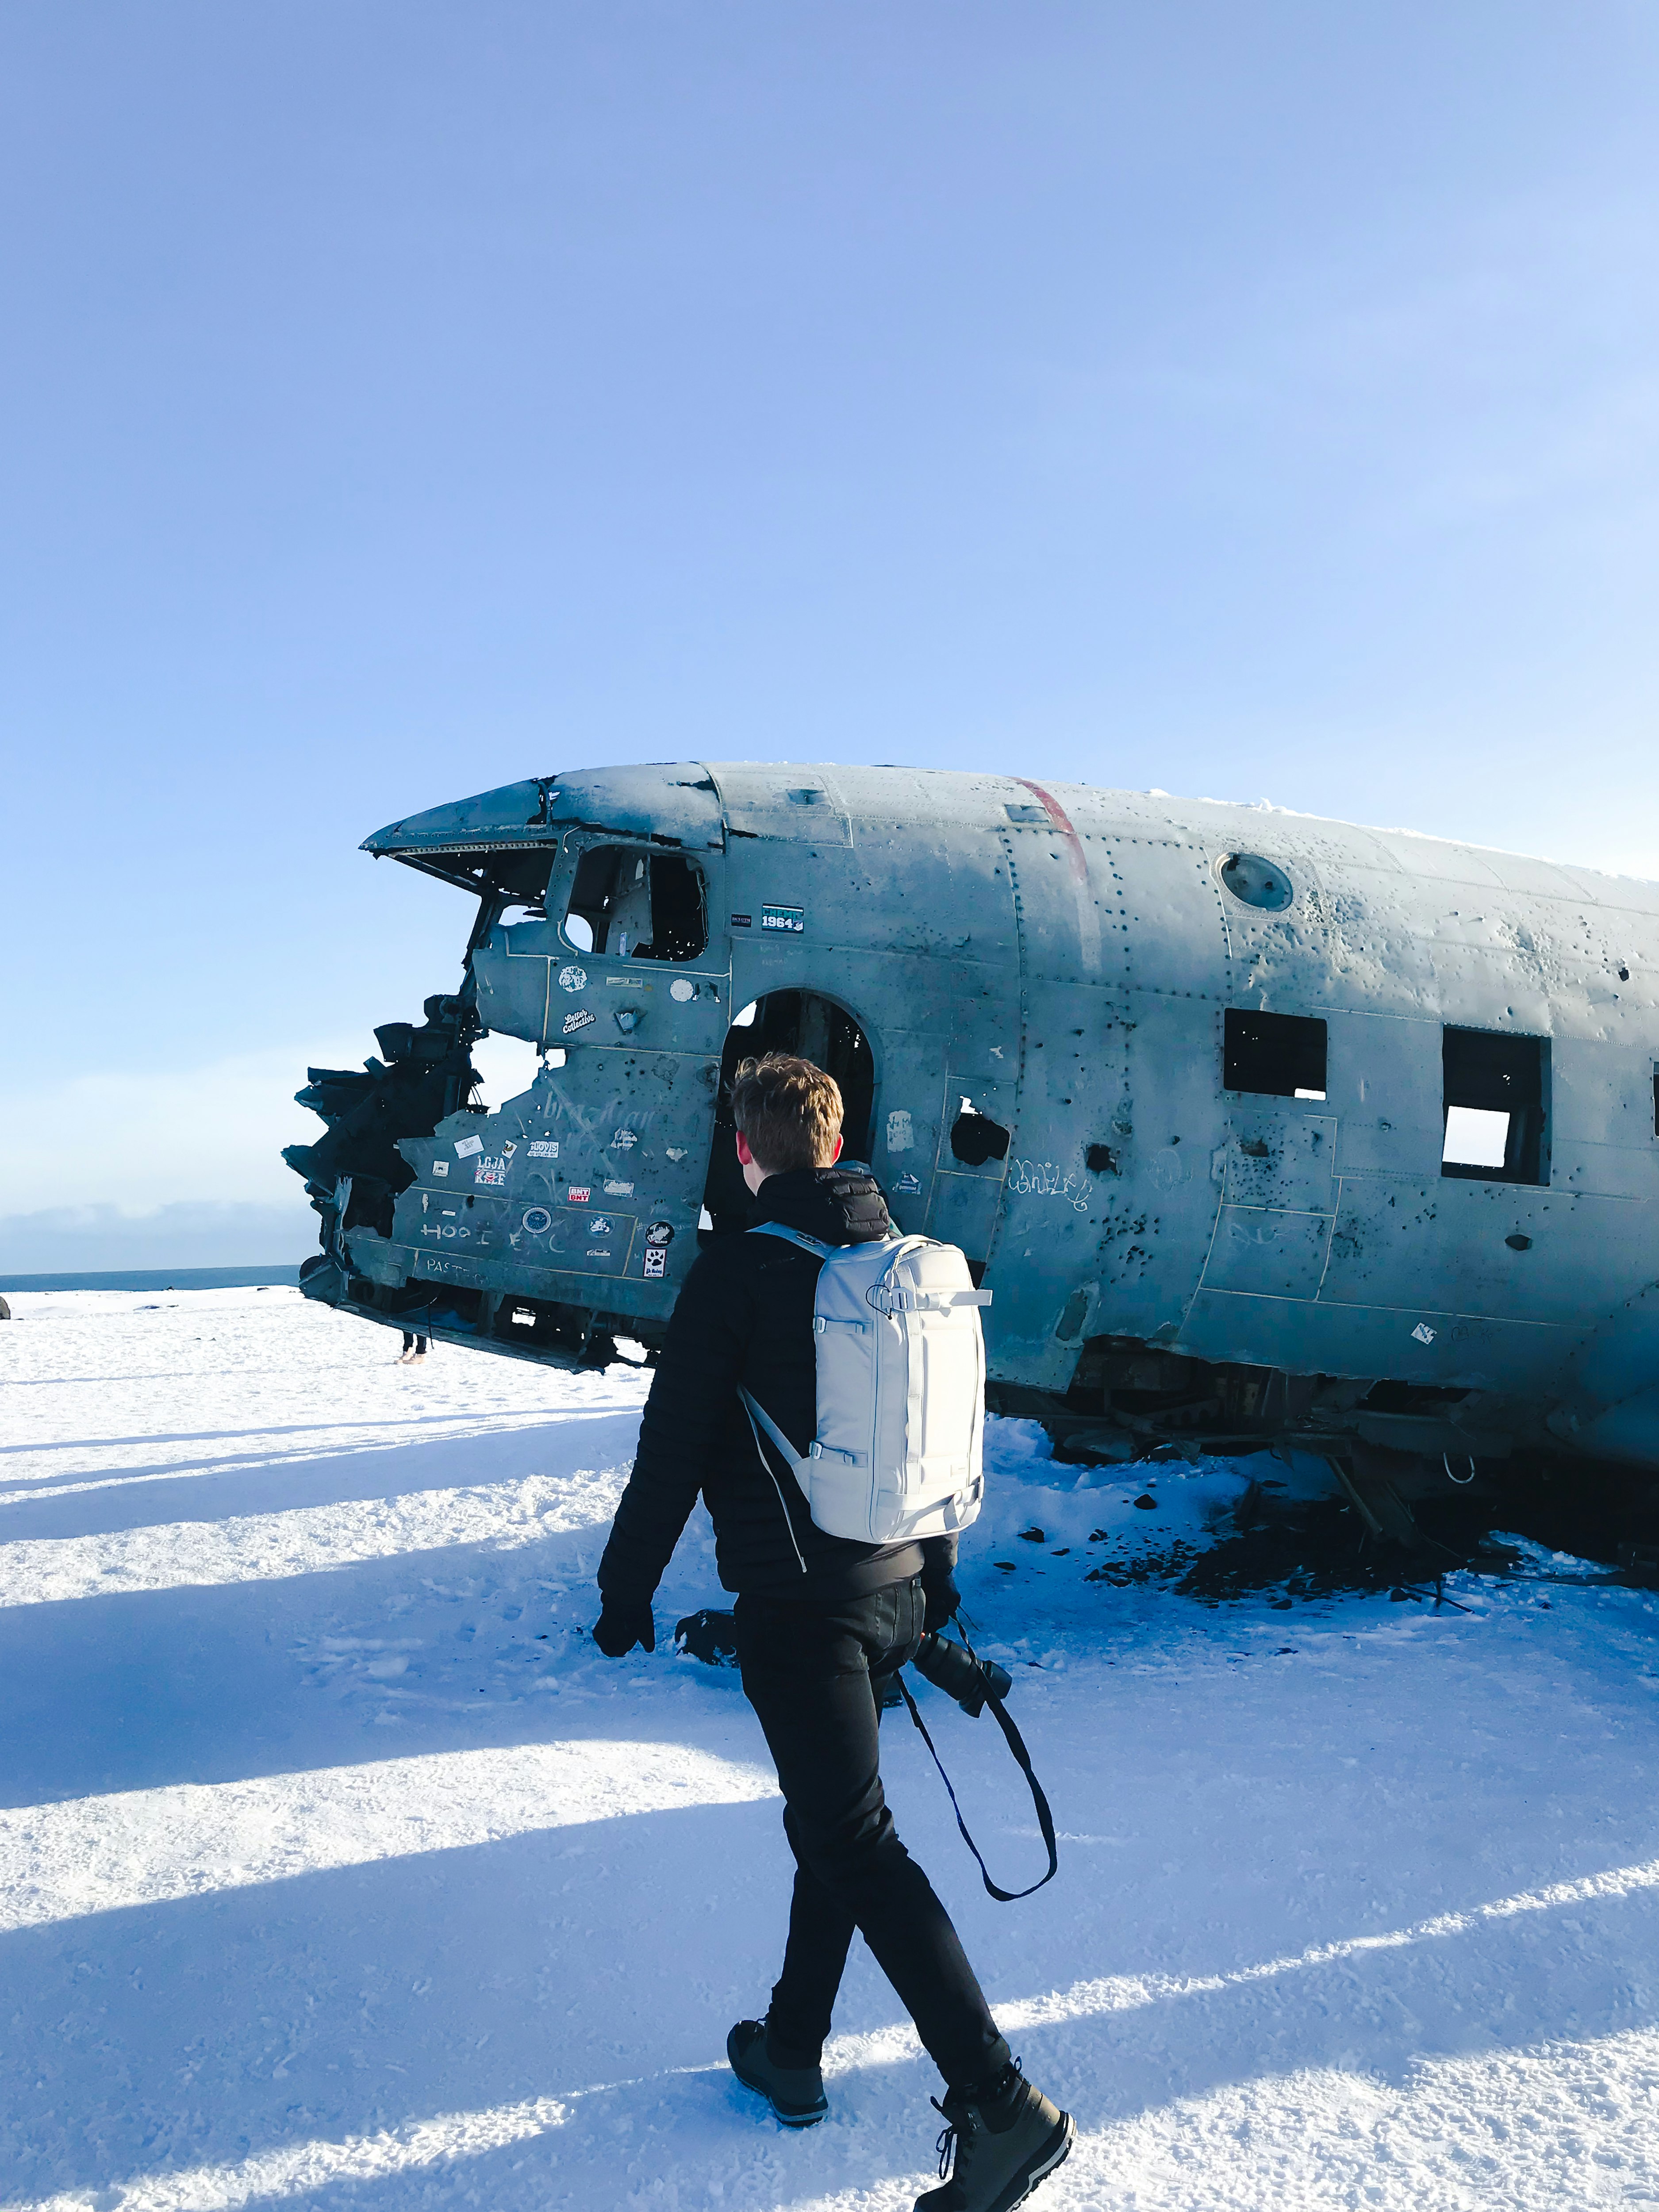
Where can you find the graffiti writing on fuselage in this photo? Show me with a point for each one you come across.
(1048, 1179)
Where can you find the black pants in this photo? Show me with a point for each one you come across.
(806, 1671)
(413, 1343)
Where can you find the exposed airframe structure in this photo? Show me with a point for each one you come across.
(1259, 1128)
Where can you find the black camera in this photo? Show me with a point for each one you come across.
(708, 1636)
(712, 1638)
(970, 1680)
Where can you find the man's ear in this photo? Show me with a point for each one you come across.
(835, 1155)
(745, 1158)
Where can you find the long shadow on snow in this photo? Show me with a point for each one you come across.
(145, 1497)
(283, 1429)
(210, 2030)
(209, 1684)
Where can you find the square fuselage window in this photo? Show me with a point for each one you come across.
(1496, 1103)
(1274, 1055)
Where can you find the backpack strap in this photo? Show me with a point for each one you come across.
(885, 1301)
(792, 1236)
(792, 1459)
(908, 1301)
(795, 1466)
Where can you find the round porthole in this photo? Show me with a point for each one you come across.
(1261, 884)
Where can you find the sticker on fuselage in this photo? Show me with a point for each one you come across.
(466, 1146)
(740, 921)
(660, 1233)
(1423, 1333)
(544, 1148)
(624, 1141)
(508, 1147)
(656, 1263)
(572, 978)
(900, 1136)
(791, 920)
(907, 1186)
(680, 990)
(619, 1190)
(491, 1170)
(538, 1220)
(580, 1193)
(581, 1019)
(599, 1225)
(441, 1167)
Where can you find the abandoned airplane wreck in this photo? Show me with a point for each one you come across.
(1263, 1130)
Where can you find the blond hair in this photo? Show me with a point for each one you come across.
(788, 1110)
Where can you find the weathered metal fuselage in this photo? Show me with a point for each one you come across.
(1084, 1017)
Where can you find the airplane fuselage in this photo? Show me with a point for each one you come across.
(1199, 1088)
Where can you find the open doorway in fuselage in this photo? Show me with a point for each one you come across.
(819, 1029)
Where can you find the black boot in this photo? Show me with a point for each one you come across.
(1007, 2136)
(795, 2093)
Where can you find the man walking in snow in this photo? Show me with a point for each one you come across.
(818, 1616)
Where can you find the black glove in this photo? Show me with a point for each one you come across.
(623, 1623)
(943, 1598)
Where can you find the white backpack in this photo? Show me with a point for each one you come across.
(901, 1362)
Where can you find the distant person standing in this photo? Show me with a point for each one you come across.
(817, 1617)
(413, 1351)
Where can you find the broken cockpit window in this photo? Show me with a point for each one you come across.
(634, 905)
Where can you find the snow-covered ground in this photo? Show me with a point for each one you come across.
(336, 1868)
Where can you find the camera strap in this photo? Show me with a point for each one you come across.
(1022, 1758)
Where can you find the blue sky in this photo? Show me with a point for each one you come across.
(399, 399)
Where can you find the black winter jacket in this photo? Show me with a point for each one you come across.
(745, 1316)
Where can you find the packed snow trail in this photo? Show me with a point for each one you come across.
(337, 1869)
